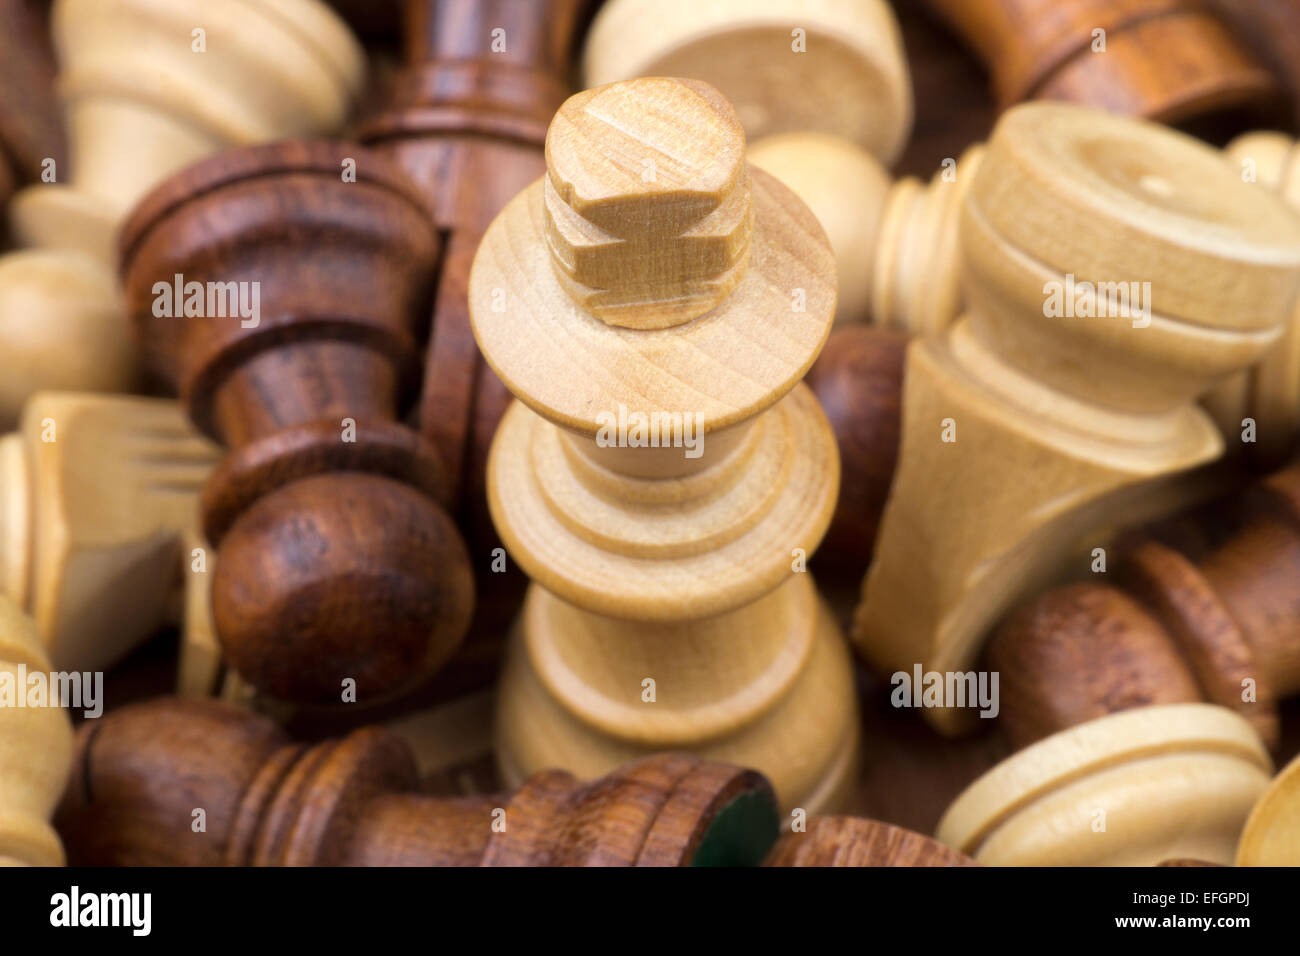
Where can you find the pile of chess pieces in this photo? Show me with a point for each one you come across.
(552, 432)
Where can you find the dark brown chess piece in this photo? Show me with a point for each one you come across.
(1220, 629)
(854, 841)
(335, 558)
(30, 130)
(144, 773)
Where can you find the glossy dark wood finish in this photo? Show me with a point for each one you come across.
(1166, 60)
(468, 124)
(141, 773)
(853, 841)
(335, 558)
(1171, 629)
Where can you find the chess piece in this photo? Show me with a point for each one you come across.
(1130, 789)
(35, 750)
(853, 841)
(147, 88)
(1221, 629)
(651, 275)
(335, 560)
(1102, 299)
(96, 493)
(834, 67)
(1170, 61)
(1271, 30)
(858, 381)
(467, 122)
(1272, 833)
(895, 243)
(1263, 402)
(142, 771)
(30, 132)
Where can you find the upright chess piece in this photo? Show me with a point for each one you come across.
(148, 88)
(35, 749)
(834, 67)
(1113, 271)
(142, 770)
(1170, 61)
(335, 560)
(652, 279)
(853, 841)
(467, 122)
(895, 242)
(96, 494)
(1221, 629)
(1131, 789)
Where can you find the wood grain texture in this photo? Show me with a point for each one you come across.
(467, 121)
(853, 841)
(849, 79)
(353, 801)
(1164, 60)
(98, 493)
(1130, 789)
(649, 562)
(335, 558)
(35, 751)
(1220, 629)
(1062, 421)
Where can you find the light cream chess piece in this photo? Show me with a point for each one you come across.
(652, 273)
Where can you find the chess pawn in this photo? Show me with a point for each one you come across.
(96, 493)
(651, 272)
(142, 770)
(147, 88)
(467, 122)
(1221, 629)
(35, 749)
(1050, 406)
(854, 841)
(1169, 61)
(335, 560)
(1130, 789)
(1272, 833)
(836, 66)
(895, 242)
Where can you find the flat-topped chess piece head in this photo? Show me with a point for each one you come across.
(836, 66)
(1131, 789)
(282, 295)
(35, 747)
(355, 801)
(148, 88)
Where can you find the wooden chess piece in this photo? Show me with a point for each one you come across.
(1051, 405)
(145, 770)
(30, 132)
(1222, 629)
(147, 88)
(1263, 402)
(895, 243)
(1271, 30)
(467, 122)
(853, 841)
(335, 560)
(1272, 833)
(1130, 789)
(652, 275)
(834, 67)
(1170, 61)
(35, 749)
(96, 494)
